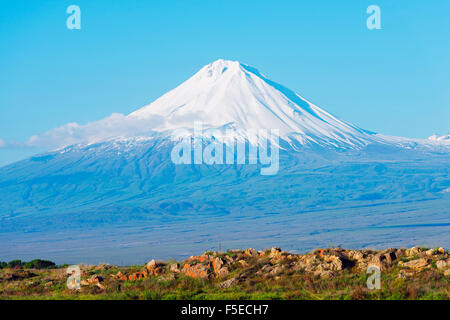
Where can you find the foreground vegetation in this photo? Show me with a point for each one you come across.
(415, 273)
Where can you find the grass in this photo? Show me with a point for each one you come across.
(427, 285)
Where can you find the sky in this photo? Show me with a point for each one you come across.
(394, 80)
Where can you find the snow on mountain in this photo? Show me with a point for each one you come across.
(233, 95)
(234, 98)
(228, 94)
(444, 138)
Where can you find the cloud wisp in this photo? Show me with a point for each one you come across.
(116, 125)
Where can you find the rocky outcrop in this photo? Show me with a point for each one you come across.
(154, 267)
(322, 263)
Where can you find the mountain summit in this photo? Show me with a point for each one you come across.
(232, 94)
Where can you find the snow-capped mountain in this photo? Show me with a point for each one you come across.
(234, 98)
(231, 94)
(117, 195)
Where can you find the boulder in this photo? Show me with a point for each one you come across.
(217, 264)
(151, 264)
(275, 252)
(356, 255)
(174, 268)
(309, 262)
(417, 264)
(228, 283)
(335, 263)
(198, 271)
(413, 251)
(95, 279)
(155, 267)
(442, 264)
(379, 260)
(154, 264)
(390, 257)
(250, 252)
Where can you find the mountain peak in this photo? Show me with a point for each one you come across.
(218, 68)
(222, 63)
(228, 93)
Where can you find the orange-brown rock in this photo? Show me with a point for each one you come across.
(202, 258)
(144, 273)
(154, 267)
(174, 268)
(275, 252)
(217, 264)
(134, 276)
(250, 252)
(198, 271)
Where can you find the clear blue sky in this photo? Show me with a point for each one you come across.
(393, 81)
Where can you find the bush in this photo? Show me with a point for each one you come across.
(39, 264)
(34, 264)
(14, 263)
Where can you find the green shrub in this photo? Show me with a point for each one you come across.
(39, 264)
(34, 264)
(14, 263)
